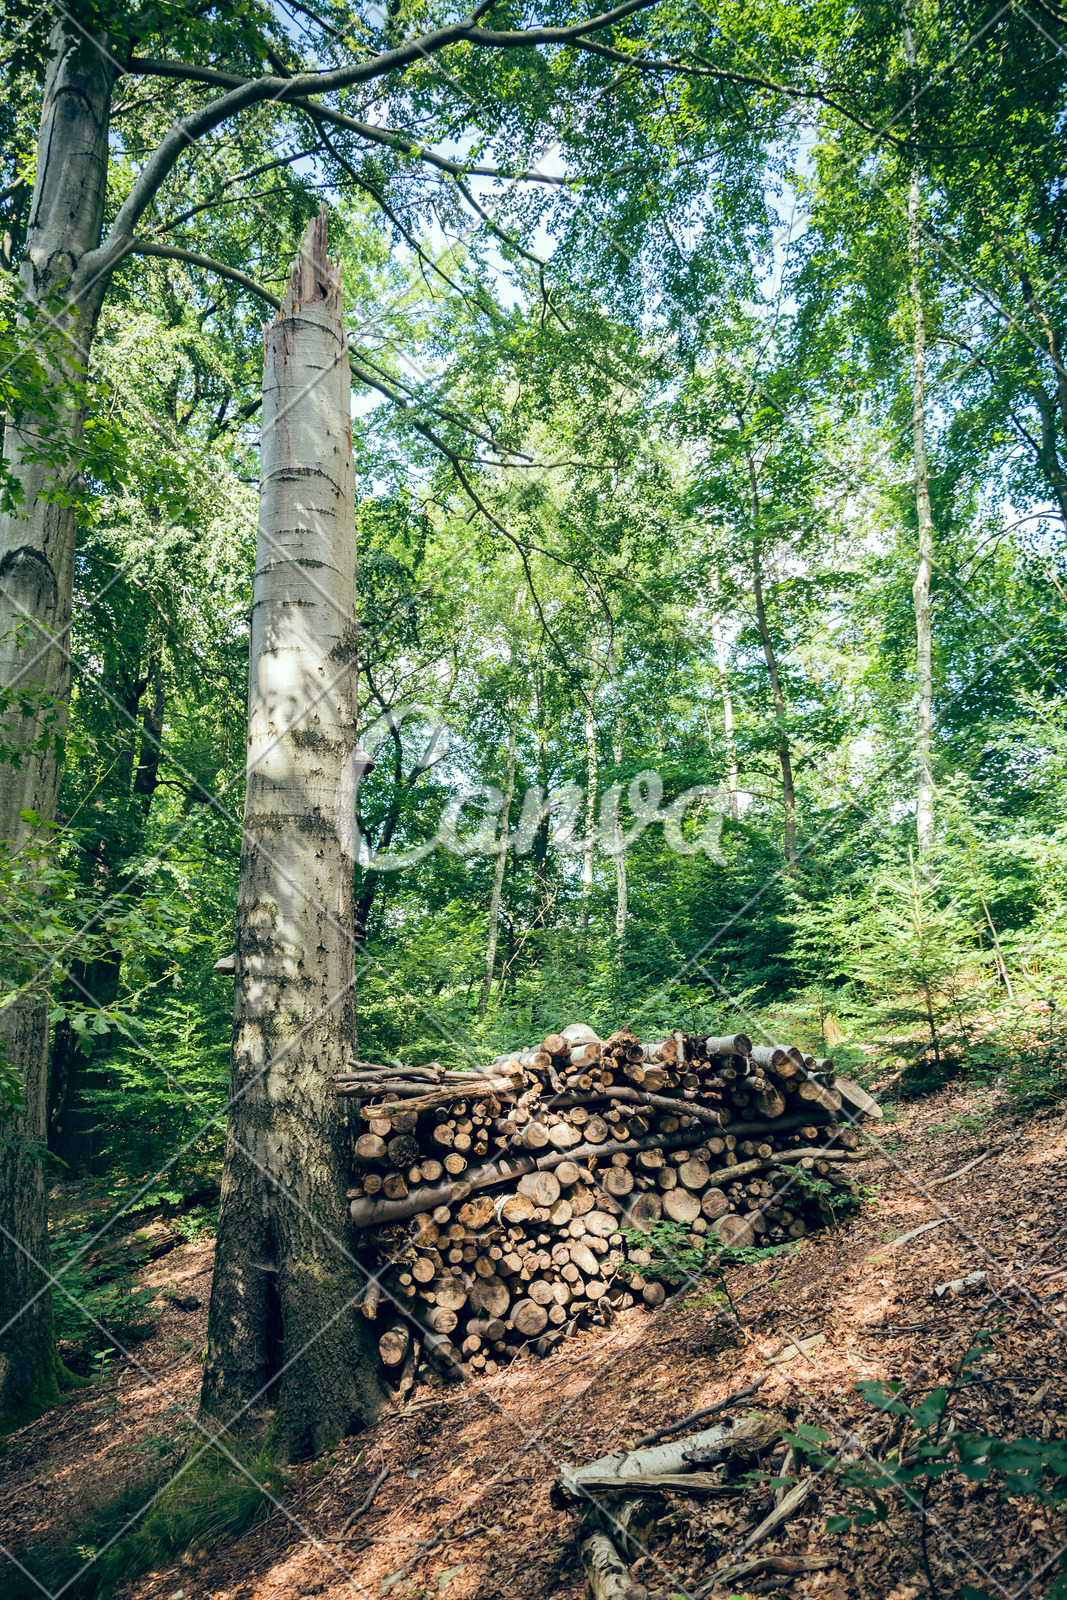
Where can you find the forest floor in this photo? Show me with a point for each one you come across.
(465, 1512)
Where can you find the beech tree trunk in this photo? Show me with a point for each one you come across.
(924, 670)
(498, 871)
(36, 586)
(285, 1343)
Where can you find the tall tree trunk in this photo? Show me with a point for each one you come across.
(785, 759)
(284, 1338)
(36, 585)
(722, 666)
(924, 668)
(146, 778)
(498, 870)
(541, 833)
(589, 845)
(622, 907)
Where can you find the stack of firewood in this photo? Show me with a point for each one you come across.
(498, 1207)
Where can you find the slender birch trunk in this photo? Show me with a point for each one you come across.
(36, 588)
(284, 1338)
(785, 759)
(722, 666)
(621, 887)
(501, 863)
(924, 670)
(589, 844)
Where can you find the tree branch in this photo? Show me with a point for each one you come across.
(170, 252)
(240, 177)
(188, 130)
(302, 84)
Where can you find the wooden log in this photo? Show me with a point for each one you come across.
(681, 1205)
(734, 1044)
(394, 1344)
(735, 1232)
(713, 1204)
(490, 1297)
(819, 1153)
(770, 1104)
(394, 1186)
(582, 1199)
(694, 1173)
(857, 1100)
(369, 1213)
(609, 1578)
(514, 1208)
(477, 1213)
(815, 1095)
(584, 1259)
(623, 1467)
(489, 1328)
(770, 1055)
(555, 1045)
(451, 1294)
(643, 1210)
(529, 1318)
(370, 1147)
(653, 1294)
(540, 1187)
(580, 1033)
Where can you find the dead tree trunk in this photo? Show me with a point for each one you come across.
(284, 1337)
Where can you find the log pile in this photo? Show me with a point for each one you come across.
(498, 1207)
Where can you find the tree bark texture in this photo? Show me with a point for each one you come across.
(36, 587)
(924, 669)
(286, 1346)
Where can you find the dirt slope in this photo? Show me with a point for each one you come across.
(465, 1511)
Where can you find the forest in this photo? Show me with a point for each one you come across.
(683, 646)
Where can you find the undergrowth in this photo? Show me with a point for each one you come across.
(204, 1501)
